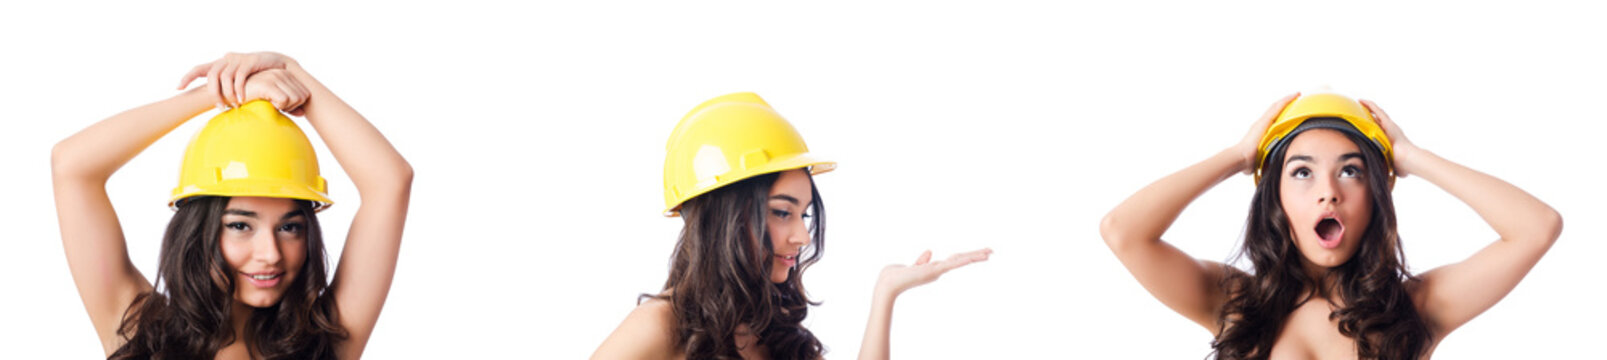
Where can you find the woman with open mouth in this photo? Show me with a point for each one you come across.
(741, 179)
(1327, 277)
(242, 272)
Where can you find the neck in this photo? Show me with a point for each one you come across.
(241, 313)
(1321, 282)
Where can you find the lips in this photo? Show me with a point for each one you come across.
(1330, 232)
(264, 279)
(789, 260)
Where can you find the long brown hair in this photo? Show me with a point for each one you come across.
(720, 276)
(1376, 309)
(189, 316)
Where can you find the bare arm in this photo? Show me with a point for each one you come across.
(384, 181)
(1133, 230)
(894, 280)
(90, 233)
(1451, 295)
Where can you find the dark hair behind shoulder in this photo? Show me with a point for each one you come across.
(189, 316)
(719, 276)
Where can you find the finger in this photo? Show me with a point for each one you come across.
(241, 73)
(227, 83)
(925, 258)
(195, 72)
(1378, 113)
(293, 97)
(966, 258)
(1277, 107)
(213, 82)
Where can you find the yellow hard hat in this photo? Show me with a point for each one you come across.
(727, 139)
(1322, 105)
(252, 150)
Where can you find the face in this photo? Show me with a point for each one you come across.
(1325, 196)
(787, 221)
(265, 242)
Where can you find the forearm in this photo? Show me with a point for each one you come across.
(367, 157)
(1146, 215)
(94, 153)
(878, 329)
(1514, 214)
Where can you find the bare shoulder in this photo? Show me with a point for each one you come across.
(647, 333)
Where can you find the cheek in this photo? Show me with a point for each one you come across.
(235, 252)
(295, 254)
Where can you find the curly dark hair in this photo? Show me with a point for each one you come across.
(1376, 309)
(719, 276)
(190, 317)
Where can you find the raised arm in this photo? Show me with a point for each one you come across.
(893, 281)
(90, 233)
(384, 181)
(1451, 295)
(1133, 230)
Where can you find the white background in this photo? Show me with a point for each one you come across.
(537, 135)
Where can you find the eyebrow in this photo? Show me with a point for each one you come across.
(1308, 158)
(786, 197)
(253, 214)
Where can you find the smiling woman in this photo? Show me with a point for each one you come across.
(741, 179)
(242, 267)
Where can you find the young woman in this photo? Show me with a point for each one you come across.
(740, 177)
(242, 271)
(1328, 279)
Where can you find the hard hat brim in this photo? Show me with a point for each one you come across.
(287, 190)
(815, 165)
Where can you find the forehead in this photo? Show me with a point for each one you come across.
(1320, 144)
(263, 205)
(794, 183)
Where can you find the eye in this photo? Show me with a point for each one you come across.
(294, 228)
(1350, 171)
(237, 226)
(1300, 173)
(781, 213)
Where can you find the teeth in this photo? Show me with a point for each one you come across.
(264, 277)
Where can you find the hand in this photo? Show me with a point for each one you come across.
(897, 278)
(227, 76)
(279, 87)
(1400, 146)
(1250, 146)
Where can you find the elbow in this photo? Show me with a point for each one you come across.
(1111, 230)
(61, 165)
(1551, 224)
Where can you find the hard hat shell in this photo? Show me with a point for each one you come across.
(252, 150)
(1321, 105)
(727, 139)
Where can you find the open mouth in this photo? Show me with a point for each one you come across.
(789, 260)
(1330, 232)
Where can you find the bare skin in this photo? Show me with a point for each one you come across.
(1446, 297)
(96, 253)
(649, 331)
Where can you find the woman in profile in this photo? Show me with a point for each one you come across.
(242, 272)
(741, 179)
(1328, 278)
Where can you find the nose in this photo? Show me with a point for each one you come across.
(1327, 190)
(265, 248)
(800, 233)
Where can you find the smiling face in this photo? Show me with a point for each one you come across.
(265, 242)
(787, 221)
(1325, 196)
